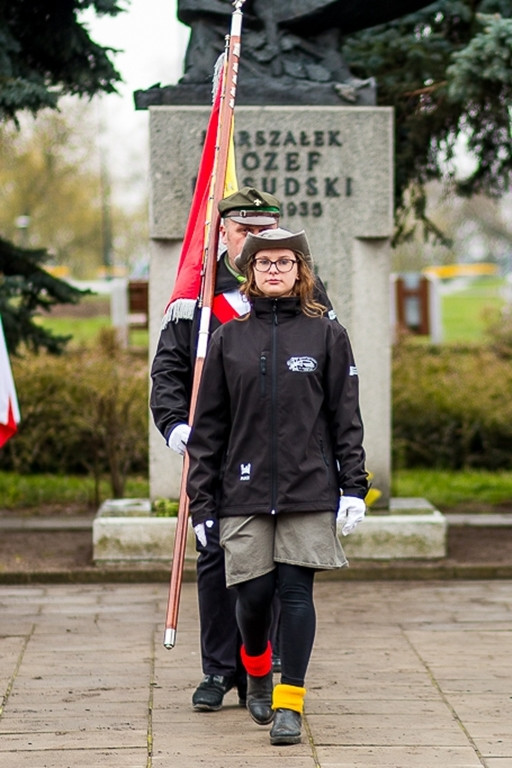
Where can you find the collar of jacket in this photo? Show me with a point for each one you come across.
(287, 306)
(225, 279)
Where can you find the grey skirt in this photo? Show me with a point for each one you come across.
(253, 545)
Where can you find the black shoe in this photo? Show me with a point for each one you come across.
(286, 728)
(210, 692)
(259, 698)
(276, 664)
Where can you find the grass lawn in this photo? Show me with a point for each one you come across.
(465, 491)
(85, 330)
(85, 320)
(473, 491)
(75, 492)
(466, 312)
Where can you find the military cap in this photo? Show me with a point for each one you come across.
(251, 206)
(273, 239)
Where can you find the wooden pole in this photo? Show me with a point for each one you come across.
(227, 106)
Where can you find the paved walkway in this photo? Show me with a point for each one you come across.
(403, 675)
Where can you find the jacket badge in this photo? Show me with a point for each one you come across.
(302, 364)
(245, 472)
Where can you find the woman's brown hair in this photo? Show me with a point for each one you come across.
(304, 287)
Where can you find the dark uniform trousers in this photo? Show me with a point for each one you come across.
(220, 638)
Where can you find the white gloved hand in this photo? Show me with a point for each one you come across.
(178, 438)
(200, 531)
(351, 512)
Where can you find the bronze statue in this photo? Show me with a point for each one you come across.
(291, 49)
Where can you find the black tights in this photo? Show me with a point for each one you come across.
(297, 621)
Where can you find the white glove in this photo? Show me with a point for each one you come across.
(200, 531)
(178, 438)
(350, 513)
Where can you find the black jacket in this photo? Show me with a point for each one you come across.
(173, 364)
(278, 411)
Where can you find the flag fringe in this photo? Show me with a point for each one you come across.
(217, 74)
(181, 309)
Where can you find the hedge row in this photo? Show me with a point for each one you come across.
(86, 411)
(452, 406)
(82, 412)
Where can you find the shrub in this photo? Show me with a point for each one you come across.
(452, 407)
(85, 411)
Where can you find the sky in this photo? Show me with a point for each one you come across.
(153, 44)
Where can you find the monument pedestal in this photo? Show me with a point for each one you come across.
(332, 169)
(126, 532)
(412, 530)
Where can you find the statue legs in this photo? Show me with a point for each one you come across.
(205, 44)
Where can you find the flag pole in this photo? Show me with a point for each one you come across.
(211, 239)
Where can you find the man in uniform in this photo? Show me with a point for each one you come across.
(248, 210)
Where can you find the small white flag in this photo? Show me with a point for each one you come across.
(9, 410)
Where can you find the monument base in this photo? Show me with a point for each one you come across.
(412, 529)
(278, 92)
(125, 531)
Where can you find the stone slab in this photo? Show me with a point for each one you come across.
(331, 166)
(137, 539)
(412, 529)
(392, 537)
(377, 692)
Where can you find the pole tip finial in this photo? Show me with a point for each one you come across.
(169, 638)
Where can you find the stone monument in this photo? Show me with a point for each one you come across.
(332, 168)
(309, 132)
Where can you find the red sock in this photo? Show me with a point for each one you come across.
(257, 666)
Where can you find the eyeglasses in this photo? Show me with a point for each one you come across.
(282, 265)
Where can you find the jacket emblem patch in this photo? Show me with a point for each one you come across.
(302, 364)
(245, 472)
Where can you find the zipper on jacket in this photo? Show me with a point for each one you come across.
(273, 411)
(263, 373)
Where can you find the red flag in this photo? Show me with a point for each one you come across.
(188, 277)
(9, 411)
(187, 286)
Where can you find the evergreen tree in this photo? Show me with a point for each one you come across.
(447, 71)
(45, 53)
